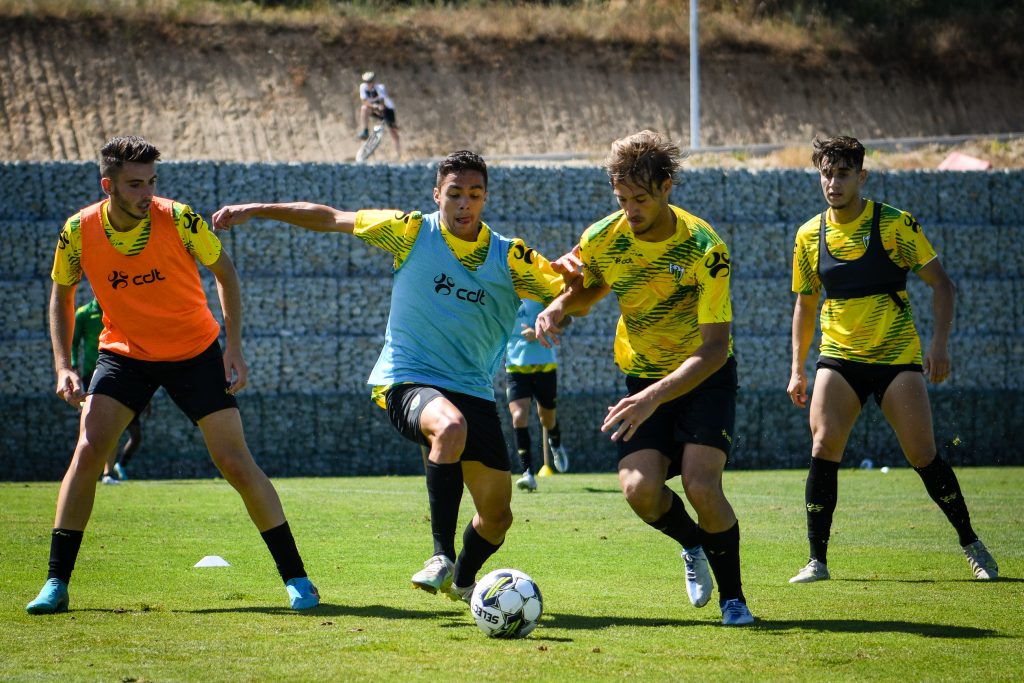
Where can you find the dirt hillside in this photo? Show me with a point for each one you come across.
(257, 93)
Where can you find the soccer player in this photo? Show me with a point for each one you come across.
(859, 252)
(670, 272)
(531, 373)
(139, 253)
(457, 285)
(85, 347)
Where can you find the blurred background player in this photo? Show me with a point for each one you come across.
(859, 251)
(532, 374)
(374, 100)
(85, 348)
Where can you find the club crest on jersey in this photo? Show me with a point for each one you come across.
(445, 286)
(867, 238)
(677, 271)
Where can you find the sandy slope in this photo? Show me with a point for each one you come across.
(258, 94)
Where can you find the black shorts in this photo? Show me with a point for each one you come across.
(866, 379)
(542, 386)
(705, 416)
(388, 117)
(196, 385)
(485, 440)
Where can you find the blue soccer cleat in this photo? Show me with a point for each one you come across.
(53, 598)
(302, 593)
(736, 613)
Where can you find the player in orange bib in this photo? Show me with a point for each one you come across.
(139, 253)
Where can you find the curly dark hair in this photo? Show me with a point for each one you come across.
(462, 160)
(646, 159)
(831, 152)
(123, 149)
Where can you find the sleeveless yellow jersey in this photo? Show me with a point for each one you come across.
(870, 329)
(666, 290)
(194, 232)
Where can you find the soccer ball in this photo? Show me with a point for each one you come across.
(506, 604)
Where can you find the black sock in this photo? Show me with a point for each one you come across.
(555, 436)
(282, 547)
(444, 491)
(678, 525)
(723, 551)
(942, 485)
(475, 551)
(64, 545)
(820, 496)
(523, 448)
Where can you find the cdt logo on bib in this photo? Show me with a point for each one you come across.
(445, 286)
(118, 278)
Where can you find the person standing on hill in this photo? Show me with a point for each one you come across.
(859, 252)
(139, 252)
(531, 373)
(670, 273)
(374, 101)
(457, 285)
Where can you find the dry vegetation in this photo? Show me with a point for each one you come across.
(946, 34)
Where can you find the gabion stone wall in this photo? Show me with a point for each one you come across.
(316, 307)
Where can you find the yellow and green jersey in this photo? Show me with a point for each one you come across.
(395, 232)
(195, 234)
(869, 329)
(666, 290)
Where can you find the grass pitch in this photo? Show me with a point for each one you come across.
(902, 604)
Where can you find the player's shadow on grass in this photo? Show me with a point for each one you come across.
(594, 489)
(865, 626)
(584, 622)
(1001, 579)
(330, 610)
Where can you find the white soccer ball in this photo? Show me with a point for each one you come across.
(506, 604)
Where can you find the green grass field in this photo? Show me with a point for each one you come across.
(902, 604)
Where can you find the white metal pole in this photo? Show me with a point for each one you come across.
(694, 80)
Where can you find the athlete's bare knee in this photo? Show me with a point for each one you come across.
(449, 437)
(643, 495)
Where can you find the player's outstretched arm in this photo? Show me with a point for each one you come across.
(804, 313)
(576, 301)
(62, 322)
(316, 217)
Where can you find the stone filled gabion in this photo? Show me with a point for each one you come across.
(316, 306)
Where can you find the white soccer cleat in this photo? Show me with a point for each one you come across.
(982, 563)
(559, 456)
(107, 479)
(527, 482)
(435, 576)
(456, 593)
(812, 571)
(699, 584)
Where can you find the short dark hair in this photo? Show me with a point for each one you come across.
(646, 159)
(462, 160)
(123, 149)
(830, 152)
